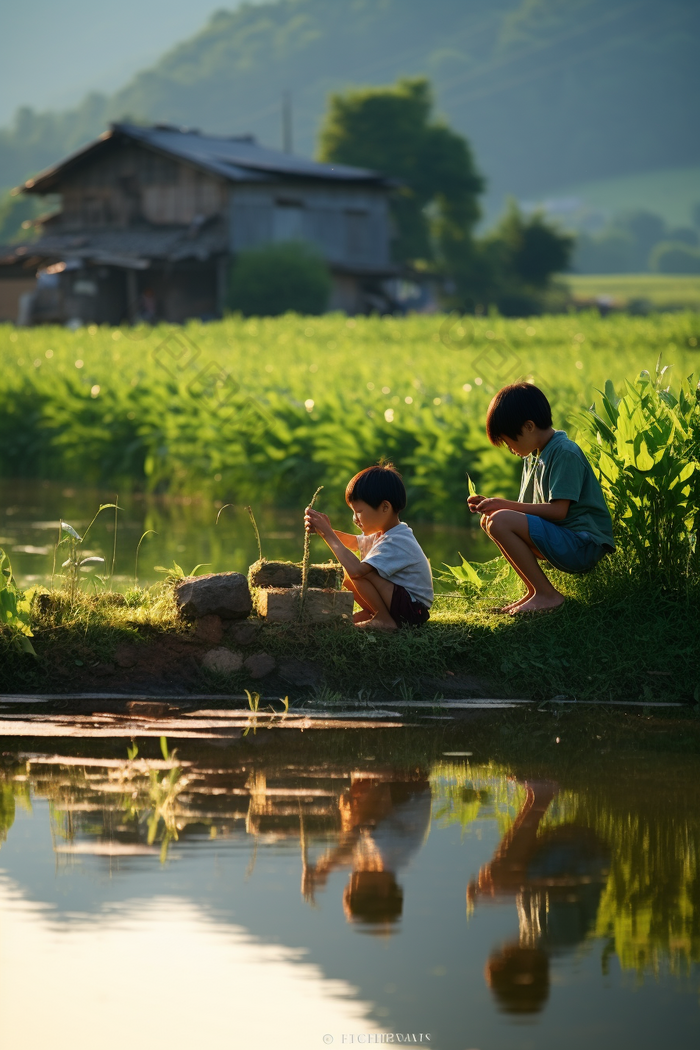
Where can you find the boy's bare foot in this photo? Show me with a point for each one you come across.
(516, 604)
(375, 624)
(539, 603)
(362, 615)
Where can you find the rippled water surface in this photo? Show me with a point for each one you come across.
(290, 890)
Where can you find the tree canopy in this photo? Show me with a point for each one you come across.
(392, 129)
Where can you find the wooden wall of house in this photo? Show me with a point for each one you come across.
(348, 225)
(130, 183)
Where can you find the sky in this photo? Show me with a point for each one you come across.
(51, 54)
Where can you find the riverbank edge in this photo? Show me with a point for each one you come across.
(610, 651)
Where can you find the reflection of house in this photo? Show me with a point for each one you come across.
(151, 216)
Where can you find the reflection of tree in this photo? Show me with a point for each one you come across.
(463, 794)
(7, 809)
(649, 911)
(13, 790)
(555, 876)
(629, 846)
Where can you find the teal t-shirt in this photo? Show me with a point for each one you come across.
(561, 471)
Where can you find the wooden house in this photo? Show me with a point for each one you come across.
(151, 218)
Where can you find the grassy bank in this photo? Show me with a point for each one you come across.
(610, 641)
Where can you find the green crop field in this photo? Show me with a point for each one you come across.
(266, 410)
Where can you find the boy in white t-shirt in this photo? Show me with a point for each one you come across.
(392, 582)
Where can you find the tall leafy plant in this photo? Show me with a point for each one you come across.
(644, 446)
(15, 608)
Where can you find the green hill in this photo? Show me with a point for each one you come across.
(671, 193)
(550, 92)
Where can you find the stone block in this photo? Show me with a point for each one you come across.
(243, 633)
(265, 573)
(222, 661)
(224, 594)
(209, 629)
(259, 664)
(281, 605)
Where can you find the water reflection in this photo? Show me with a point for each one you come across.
(180, 529)
(570, 882)
(556, 878)
(384, 820)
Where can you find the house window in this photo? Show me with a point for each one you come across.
(288, 221)
(357, 234)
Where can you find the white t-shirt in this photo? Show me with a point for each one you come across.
(397, 556)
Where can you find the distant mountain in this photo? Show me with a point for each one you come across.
(550, 92)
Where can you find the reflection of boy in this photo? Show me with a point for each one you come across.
(392, 584)
(556, 878)
(560, 515)
(383, 823)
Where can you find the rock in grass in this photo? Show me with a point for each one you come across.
(300, 672)
(224, 594)
(243, 633)
(259, 664)
(209, 629)
(265, 573)
(222, 661)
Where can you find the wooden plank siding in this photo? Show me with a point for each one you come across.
(348, 226)
(134, 184)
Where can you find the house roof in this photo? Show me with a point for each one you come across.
(234, 159)
(132, 247)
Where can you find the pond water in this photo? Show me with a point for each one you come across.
(181, 530)
(300, 891)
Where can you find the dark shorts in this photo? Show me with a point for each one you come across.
(404, 611)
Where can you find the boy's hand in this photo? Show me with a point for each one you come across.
(474, 501)
(489, 506)
(318, 523)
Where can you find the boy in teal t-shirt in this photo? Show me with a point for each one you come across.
(560, 515)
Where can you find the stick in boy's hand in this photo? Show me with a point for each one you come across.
(314, 522)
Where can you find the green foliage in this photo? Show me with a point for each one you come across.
(512, 266)
(279, 278)
(531, 249)
(15, 608)
(645, 447)
(392, 130)
(464, 793)
(314, 401)
(175, 574)
(675, 257)
(75, 563)
(7, 809)
(17, 214)
(476, 579)
(649, 911)
(611, 251)
(635, 242)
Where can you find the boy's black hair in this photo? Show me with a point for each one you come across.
(373, 485)
(511, 408)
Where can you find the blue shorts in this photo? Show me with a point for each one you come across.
(566, 550)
